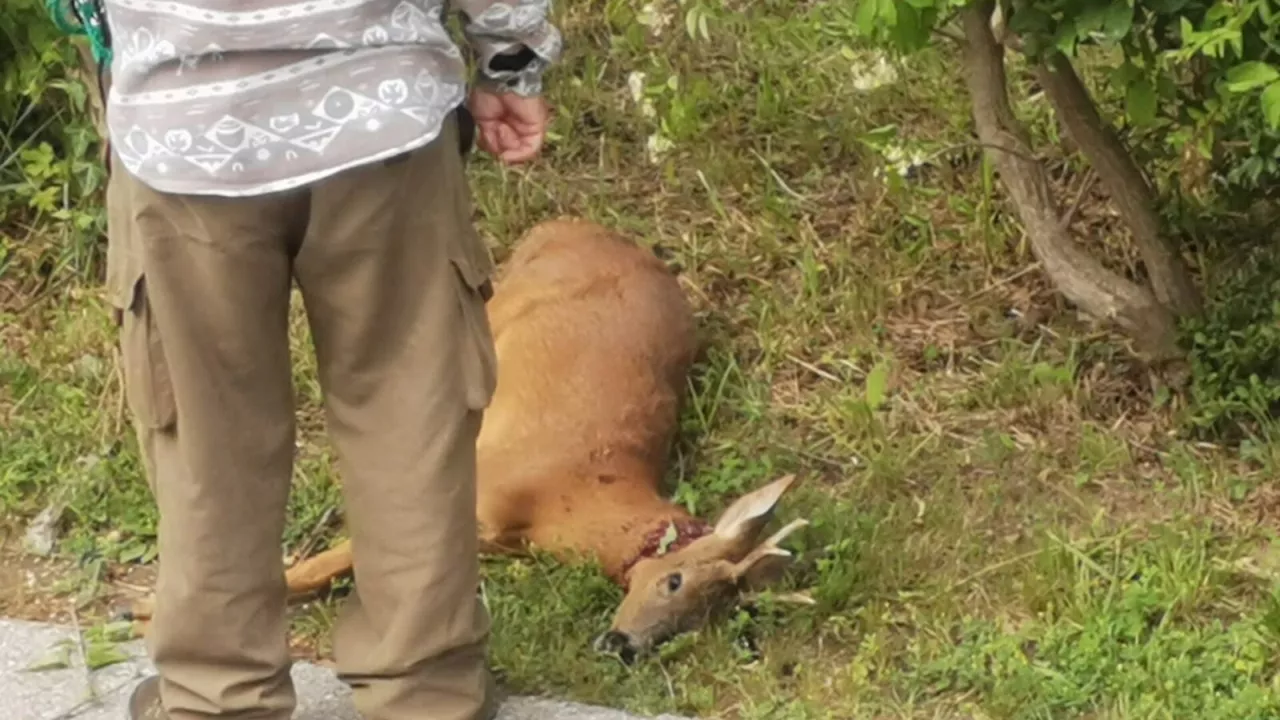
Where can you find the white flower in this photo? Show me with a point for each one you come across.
(653, 19)
(657, 146)
(900, 160)
(635, 82)
(878, 75)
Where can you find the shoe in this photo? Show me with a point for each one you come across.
(144, 703)
(494, 696)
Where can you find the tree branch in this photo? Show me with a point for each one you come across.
(1124, 182)
(1082, 279)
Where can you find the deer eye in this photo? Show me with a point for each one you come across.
(674, 581)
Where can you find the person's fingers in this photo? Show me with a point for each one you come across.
(514, 136)
(502, 140)
(533, 140)
(528, 148)
(518, 155)
(498, 138)
(486, 138)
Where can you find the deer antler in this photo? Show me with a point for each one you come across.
(800, 597)
(767, 560)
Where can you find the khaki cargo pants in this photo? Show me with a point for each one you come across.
(393, 278)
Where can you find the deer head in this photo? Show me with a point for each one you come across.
(677, 590)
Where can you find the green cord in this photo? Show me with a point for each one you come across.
(87, 22)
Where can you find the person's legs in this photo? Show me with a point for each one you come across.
(202, 290)
(394, 278)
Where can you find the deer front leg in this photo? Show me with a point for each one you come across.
(310, 575)
(318, 571)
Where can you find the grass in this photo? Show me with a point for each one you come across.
(1005, 522)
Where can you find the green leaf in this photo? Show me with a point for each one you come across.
(119, 631)
(1118, 20)
(1125, 74)
(910, 33)
(877, 137)
(1188, 32)
(889, 11)
(1250, 75)
(877, 385)
(1066, 37)
(1090, 20)
(100, 655)
(1140, 102)
(1030, 21)
(58, 658)
(1271, 105)
(867, 11)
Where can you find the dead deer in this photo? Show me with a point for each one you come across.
(595, 341)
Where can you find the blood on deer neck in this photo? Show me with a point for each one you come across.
(613, 511)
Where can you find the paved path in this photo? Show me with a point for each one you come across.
(62, 694)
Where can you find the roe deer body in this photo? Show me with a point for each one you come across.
(595, 341)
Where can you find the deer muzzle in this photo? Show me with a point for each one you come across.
(613, 642)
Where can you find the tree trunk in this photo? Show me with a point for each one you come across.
(88, 73)
(1082, 279)
(1123, 180)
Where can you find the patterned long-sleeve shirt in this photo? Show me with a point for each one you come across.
(246, 97)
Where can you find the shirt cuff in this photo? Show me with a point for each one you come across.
(518, 66)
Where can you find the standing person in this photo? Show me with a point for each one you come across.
(256, 143)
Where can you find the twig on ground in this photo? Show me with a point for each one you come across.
(671, 686)
(813, 368)
(83, 705)
(84, 653)
(119, 420)
(778, 178)
(995, 567)
(1090, 178)
(993, 286)
(978, 145)
(314, 536)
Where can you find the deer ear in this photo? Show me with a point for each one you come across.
(747, 516)
(765, 564)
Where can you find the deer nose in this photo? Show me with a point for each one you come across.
(616, 642)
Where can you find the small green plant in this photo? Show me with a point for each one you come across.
(100, 645)
(50, 176)
(1235, 352)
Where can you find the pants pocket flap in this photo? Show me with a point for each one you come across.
(479, 355)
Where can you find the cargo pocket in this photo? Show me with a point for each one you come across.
(148, 388)
(473, 270)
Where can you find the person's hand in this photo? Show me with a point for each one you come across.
(512, 127)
